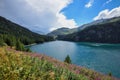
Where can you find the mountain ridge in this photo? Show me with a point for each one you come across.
(105, 32)
(26, 36)
(60, 31)
(57, 32)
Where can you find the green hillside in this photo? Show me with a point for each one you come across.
(104, 32)
(61, 31)
(16, 65)
(9, 30)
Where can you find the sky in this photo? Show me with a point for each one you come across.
(43, 16)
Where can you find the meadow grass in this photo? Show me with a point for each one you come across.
(17, 65)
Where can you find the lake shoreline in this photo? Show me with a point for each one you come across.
(30, 44)
(90, 74)
(93, 56)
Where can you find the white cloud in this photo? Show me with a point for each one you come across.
(62, 21)
(108, 13)
(108, 1)
(45, 14)
(89, 4)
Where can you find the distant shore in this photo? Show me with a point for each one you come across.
(31, 44)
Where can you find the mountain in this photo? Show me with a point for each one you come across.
(106, 31)
(8, 28)
(61, 31)
(97, 22)
(92, 23)
(65, 31)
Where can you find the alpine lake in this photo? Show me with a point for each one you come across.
(103, 58)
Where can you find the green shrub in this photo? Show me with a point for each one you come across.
(110, 74)
(19, 46)
(2, 43)
(67, 59)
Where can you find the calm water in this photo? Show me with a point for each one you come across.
(103, 58)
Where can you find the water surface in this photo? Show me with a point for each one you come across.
(104, 58)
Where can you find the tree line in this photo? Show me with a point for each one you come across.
(12, 41)
(12, 33)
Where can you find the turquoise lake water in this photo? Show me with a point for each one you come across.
(104, 58)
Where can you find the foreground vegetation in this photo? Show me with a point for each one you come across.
(16, 65)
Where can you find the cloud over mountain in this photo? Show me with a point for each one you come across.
(37, 14)
(115, 12)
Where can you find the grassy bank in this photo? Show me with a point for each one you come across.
(17, 65)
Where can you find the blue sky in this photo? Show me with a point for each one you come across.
(47, 15)
(82, 14)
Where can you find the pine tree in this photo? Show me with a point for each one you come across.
(110, 74)
(67, 59)
(1, 42)
(19, 46)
